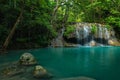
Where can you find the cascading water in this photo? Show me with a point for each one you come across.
(100, 32)
(59, 40)
(107, 34)
(78, 35)
(84, 33)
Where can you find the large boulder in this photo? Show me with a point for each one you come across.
(113, 42)
(27, 59)
(40, 72)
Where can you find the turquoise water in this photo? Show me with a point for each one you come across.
(101, 63)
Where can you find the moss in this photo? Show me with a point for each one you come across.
(69, 29)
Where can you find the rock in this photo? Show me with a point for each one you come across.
(27, 59)
(92, 43)
(113, 42)
(110, 42)
(78, 78)
(40, 72)
(70, 44)
(12, 70)
(83, 33)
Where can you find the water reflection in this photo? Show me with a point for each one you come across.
(95, 59)
(106, 56)
(96, 62)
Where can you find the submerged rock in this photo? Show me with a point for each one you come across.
(40, 72)
(78, 78)
(27, 59)
(12, 70)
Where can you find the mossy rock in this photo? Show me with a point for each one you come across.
(41, 72)
(27, 59)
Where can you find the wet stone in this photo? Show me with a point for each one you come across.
(27, 59)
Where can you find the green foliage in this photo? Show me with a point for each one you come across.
(36, 25)
(21, 40)
(108, 27)
(93, 29)
(113, 21)
(102, 11)
(3, 31)
(69, 29)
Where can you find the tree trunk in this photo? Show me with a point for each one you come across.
(65, 18)
(5, 45)
(54, 14)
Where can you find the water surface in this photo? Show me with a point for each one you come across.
(101, 63)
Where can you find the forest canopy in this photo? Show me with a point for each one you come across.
(42, 19)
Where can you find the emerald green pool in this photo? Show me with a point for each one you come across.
(101, 63)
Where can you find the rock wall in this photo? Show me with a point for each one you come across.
(88, 34)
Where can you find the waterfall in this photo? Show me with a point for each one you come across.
(85, 33)
(82, 33)
(78, 35)
(107, 34)
(59, 40)
(100, 32)
(85, 36)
